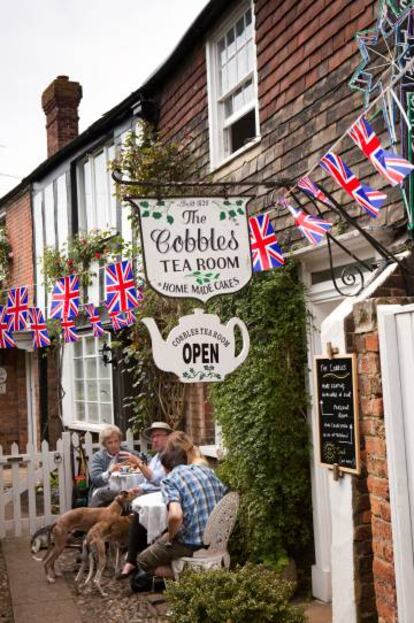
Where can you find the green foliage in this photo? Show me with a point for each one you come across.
(5, 250)
(262, 410)
(80, 252)
(146, 157)
(249, 594)
(156, 395)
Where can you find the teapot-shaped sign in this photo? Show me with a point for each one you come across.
(199, 348)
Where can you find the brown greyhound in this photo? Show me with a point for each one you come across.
(113, 530)
(79, 519)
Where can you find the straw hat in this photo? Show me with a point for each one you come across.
(157, 426)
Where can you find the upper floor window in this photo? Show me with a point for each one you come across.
(97, 203)
(232, 86)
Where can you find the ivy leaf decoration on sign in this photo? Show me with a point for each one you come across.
(156, 213)
(231, 209)
(203, 277)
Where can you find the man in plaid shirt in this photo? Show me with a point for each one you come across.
(190, 493)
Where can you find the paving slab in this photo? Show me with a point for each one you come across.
(318, 612)
(33, 598)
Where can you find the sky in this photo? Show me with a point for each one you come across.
(109, 47)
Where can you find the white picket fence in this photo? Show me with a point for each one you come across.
(28, 498)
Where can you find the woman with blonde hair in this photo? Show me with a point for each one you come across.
(181, 439)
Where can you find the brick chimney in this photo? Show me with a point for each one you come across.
(60, 103)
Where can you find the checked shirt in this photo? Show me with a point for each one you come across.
(198, 490)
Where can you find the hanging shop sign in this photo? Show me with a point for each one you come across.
(195, 247)
(199, 348)
(337, 405)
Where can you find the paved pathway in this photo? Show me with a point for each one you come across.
(36, 601)
(33, 598)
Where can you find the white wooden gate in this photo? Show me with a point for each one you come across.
(36, 486)
(396, 333)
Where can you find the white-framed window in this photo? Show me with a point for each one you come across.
(232, 86)
(91, 384)
(96, 188)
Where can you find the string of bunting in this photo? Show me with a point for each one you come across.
(122, 298)
(390, 165)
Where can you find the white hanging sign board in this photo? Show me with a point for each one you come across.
(199, 348)
(195, 247)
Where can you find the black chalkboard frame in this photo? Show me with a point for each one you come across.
(355, 394)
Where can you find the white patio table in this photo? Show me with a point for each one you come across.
(152, 513)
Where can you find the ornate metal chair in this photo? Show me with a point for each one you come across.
(216, 536)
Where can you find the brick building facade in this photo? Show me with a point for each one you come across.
(291, 104)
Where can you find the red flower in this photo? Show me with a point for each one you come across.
(98, 255)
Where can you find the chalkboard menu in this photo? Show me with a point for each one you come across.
(337, 406)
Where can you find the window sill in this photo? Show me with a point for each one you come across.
(243, 150)
(84, 426)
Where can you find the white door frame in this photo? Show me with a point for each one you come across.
(397, 458)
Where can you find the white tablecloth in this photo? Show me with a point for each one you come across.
(123, 482)
(152, 513)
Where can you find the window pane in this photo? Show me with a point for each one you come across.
(90, 346)
(93, 412)
(231, 43)
(78, 369)
(50, 216)
(104, 391)
(248, 18)
(77, 348)
(92, 389)
(79, 390)
(101, 191)
(240, 33)
(242, 131)
(91, 369)
(222, 52)
(80, 411)
(238, 99)
(106, 414)
(87, 183)
(248, 92)
(103, 371)
(228, 107)
(224, 80)
(249, 57)
(232, 73)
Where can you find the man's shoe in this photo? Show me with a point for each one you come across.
(141, 581)
(122, 575)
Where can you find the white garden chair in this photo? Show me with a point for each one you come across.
(216, 536)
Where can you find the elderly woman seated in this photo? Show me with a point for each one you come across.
(104, 462)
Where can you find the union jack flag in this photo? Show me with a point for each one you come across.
(309, 187)
(6, 340)
(370, 200)
(95, 320)
(312, 227)
(130, 318)
(38, 326)
(18, 308)
(390, 165)
(65, 298)
(69, 330)
(118, 321)
(266, 252)
(121, 291)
